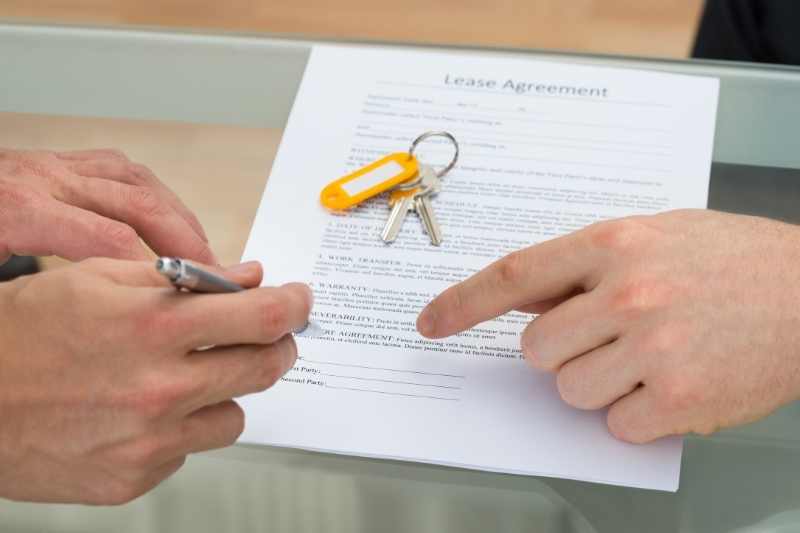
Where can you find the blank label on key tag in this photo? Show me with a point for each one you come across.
(369, 181)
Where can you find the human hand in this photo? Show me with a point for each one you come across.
(681, 322)
(102, 390)
(91, 203)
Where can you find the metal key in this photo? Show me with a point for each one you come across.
(402, 202)
(431, 185)
(405, 198)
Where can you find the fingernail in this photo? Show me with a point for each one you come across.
(242, 268)
(426, 323)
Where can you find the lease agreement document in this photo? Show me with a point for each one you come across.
(546, 148)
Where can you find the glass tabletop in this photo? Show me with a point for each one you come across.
(737, 480)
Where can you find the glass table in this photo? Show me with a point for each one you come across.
(743, 479)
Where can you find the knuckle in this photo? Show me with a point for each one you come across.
(660, 341)
(122, 235)
(160, 328)
(72, 285)
(637, 296)
(151, 404)
(617, 235)
(15, 201)
(511, 269)
(158, 396)
(14, 168)
(146, 201)
(458, 302)
(143, 454)
(141, 173)
(16, 197)
(35, 164)
(115, 153)
(680, 393)
(274, 318)
(145, 324)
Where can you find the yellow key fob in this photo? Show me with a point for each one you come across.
(369, 181)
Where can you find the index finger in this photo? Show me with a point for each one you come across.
(144, 273)
(545, 271)
(122, 170)
(255, 316)
(153, 218)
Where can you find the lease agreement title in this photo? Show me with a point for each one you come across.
(522, 87)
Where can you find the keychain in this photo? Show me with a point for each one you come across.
(369, 181)
(412, 184)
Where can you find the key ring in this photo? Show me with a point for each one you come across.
(439, 174)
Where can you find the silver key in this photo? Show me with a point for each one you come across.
(424, 208)
(397, 216)
(404, 199)
(431, 185)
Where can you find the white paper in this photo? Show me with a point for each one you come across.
(546, 148)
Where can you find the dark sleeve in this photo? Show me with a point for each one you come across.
(750, 30)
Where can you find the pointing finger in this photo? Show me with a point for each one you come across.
(548, 270)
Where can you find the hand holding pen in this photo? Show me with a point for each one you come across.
(115, 348)
(186, 275)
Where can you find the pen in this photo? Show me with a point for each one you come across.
(185, 275)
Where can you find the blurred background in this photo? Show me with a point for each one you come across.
(631, 27)
(184, 154)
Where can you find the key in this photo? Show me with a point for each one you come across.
(402, 202)
(431, 184)
(424, 208)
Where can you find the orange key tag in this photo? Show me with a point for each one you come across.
(370, 181)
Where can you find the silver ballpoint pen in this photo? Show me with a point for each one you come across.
(185, 275)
